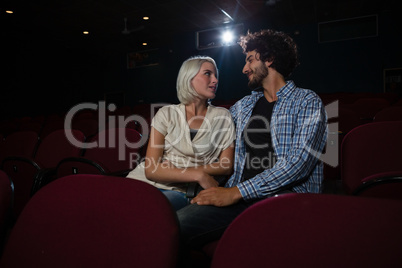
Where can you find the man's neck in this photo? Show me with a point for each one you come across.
(271, 85)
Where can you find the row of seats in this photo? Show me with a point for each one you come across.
(351, 97)
(342, 119)
(366, 108)
(88, 123)
(31, 163)
(370, 167)
(377, 180)
(105, 221)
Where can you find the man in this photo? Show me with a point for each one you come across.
(280, 132)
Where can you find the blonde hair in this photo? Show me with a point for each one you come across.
(188, 70)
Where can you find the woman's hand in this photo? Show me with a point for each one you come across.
(206, 181)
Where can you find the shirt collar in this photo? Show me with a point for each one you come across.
(286, 89)
(282, 93)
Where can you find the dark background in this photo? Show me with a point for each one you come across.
(48, 66)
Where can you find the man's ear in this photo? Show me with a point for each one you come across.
(268, 63)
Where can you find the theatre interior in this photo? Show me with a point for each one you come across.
(82, 80)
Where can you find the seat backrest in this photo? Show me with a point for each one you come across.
(314, 230)
(56, 146)
(382, 185)
(392, 113)
(88, 126)
(33, 126)
(19, 143)
(6, 199)
(94, 221)
(368, 107)
(369, 149)
(117, 149)
(51, 125)
(348, 119)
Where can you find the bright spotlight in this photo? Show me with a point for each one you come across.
(227, 37)
(219, 37)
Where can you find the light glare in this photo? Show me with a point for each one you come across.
(227, 37)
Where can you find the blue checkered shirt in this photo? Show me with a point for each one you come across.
(299, 132)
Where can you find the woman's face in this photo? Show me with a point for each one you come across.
(206, 81)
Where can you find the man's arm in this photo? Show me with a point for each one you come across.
(306, 145)
(308, 142)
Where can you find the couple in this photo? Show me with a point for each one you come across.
(269, 143)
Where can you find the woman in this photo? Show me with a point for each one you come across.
(191, 141)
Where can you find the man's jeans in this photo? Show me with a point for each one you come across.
(200, 225)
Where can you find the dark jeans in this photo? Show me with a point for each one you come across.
(200, 225)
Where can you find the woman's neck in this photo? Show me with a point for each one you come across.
(195, 113)
(197, 108)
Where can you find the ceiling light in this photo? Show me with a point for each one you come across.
(9, 11)
(85, 32)
(227, 37)
(145, 18)
(218, 37)
(144, 44)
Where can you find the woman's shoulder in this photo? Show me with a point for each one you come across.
(217, 113)
(217, 110)
(170, 108)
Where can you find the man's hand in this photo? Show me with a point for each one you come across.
(218, 196)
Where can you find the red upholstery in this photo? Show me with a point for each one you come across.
(367, 108)
(393, 113)
(370, 149)
(19, 143)
(29, 174)
(382, 185)
(6, 195)
(340, 121)
(94, 221)
(88, 126)
(314, 230)
(51, 125)
(122, 154)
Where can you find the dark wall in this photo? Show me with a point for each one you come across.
(354, 65)
(45, 76)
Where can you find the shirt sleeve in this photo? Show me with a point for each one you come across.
(161, 120)
(306, 144)
(227, 129)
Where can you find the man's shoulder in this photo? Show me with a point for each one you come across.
(304, 94)
(249, 98)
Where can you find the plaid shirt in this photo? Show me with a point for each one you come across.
(299, 132)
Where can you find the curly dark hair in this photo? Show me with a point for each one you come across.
(273, 46)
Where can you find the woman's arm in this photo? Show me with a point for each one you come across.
(224, 165)
(159, 171)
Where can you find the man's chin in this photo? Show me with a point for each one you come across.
(254, 86)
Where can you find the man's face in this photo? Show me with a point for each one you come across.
(255, 69)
